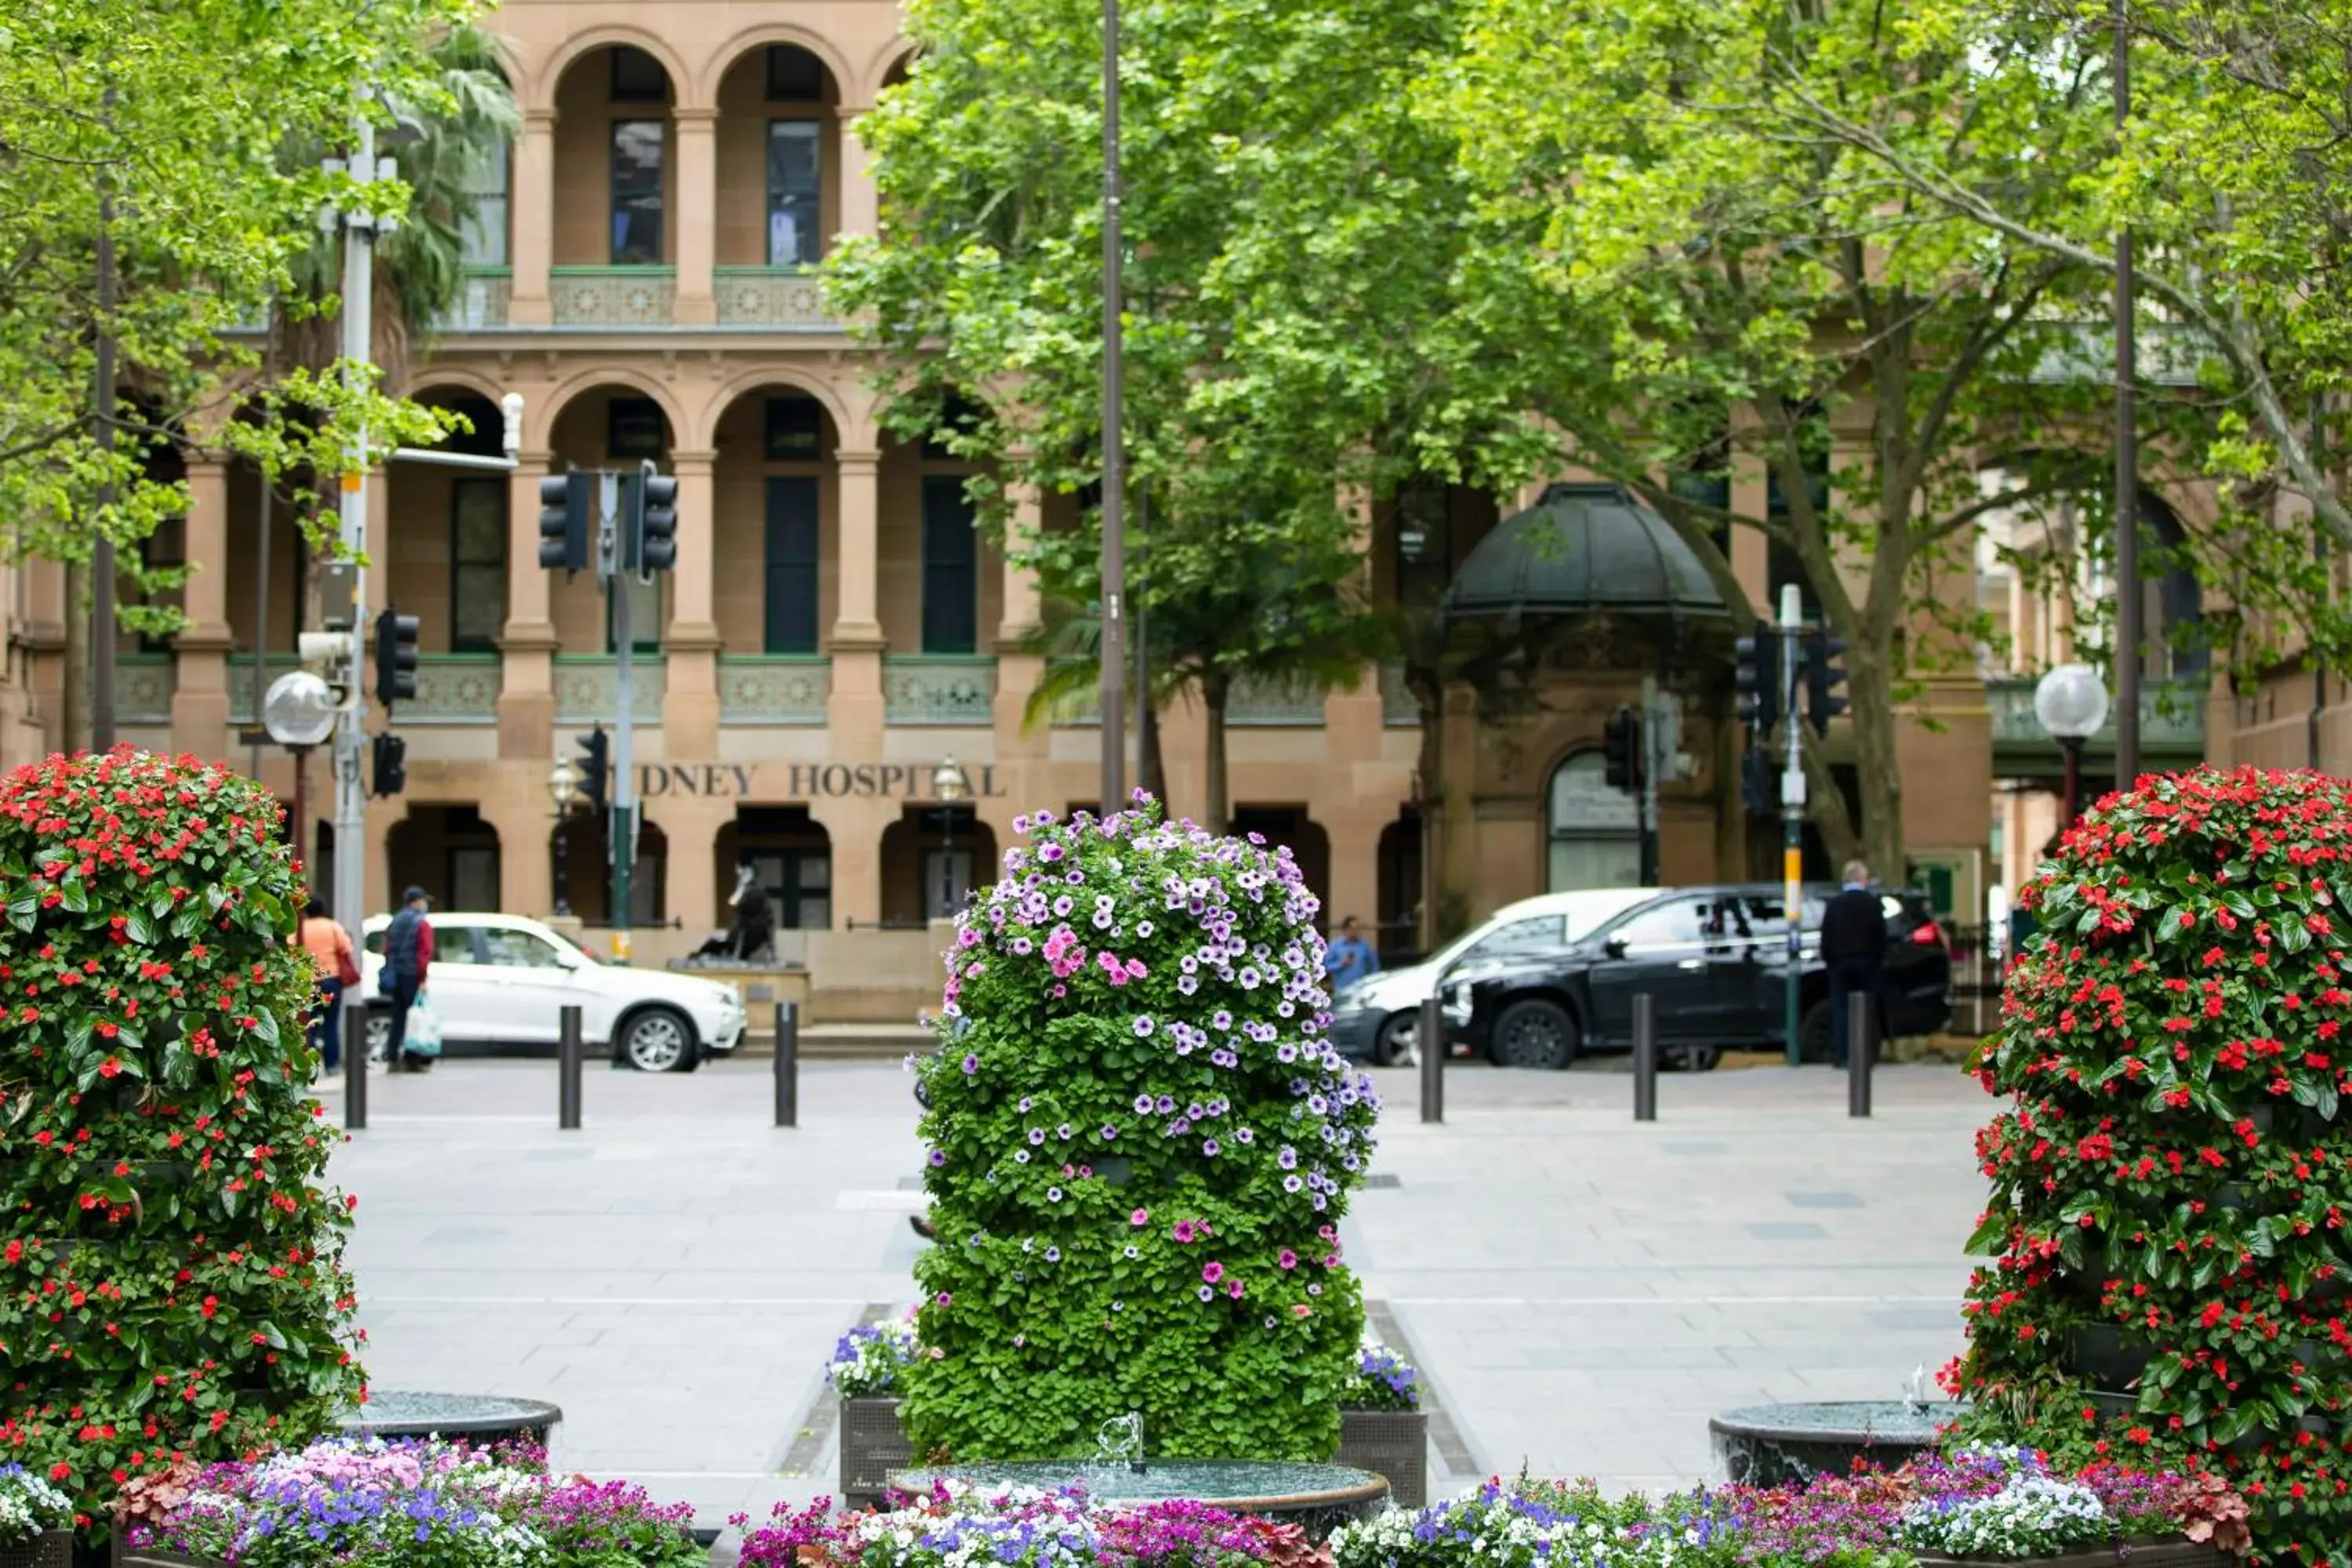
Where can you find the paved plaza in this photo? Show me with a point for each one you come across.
(1581, 1291)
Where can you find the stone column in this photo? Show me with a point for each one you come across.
(855, 714)
(1020, 750)
(533, 200)
(690, 698)
(200, 693)
(698, 213)
(861, 204)
(527, 644)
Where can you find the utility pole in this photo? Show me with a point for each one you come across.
(351, 736)
(101, 569)
(1793, 814)
(1113, 653)
(2128, 597)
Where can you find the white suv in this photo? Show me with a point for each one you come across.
(503, 980)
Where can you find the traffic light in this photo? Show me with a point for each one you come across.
(595, 768)
(564, 505)
(395, 658)
(650, 506)
(387, 765)
(1759, 678)
(1822, 677)
(1759, 784)
(1621, 745)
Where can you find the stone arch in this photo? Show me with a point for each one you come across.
(758, 36)
(538, 94)
(886, 60)
(853, 429)
(1598, 841)
(424, 380)
(538, 431)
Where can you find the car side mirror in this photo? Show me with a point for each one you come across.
(1614, 947)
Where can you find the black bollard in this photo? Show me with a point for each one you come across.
(1431, 1036)
(1862, 1047)
(1645, 1057)
(567, 1070)
(788, 1064)
(355, 1061)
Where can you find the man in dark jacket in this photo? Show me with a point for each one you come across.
(407, 955)
(1853, 945)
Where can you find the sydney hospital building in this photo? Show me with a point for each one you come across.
(834, 629)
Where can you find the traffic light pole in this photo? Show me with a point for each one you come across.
(1653, 765)
(351, 735)
(1792, 816)
(611, 560)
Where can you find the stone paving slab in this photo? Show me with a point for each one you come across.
(1583, 1291)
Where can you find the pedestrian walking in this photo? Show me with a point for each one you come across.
(1853, 947)
(330, 947)
(407, 958)
(1348, 957)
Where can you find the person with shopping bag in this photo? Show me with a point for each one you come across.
(407, 958)
(330, 947)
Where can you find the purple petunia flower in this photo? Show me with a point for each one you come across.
(970, 1064)
(939, 1158)
(1210, 1148)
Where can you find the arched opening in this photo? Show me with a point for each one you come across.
(605, 427)
(2174, 610)
(779, 161)
(615, 156)
(446, 553)
(1593, 833)
(450, 851)
(584, 876)
(1398, 933)
(776, 524)
(941, 590)
(790, 855)
(1289, 826)
(933, 857)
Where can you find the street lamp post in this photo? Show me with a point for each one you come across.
(563, 787)
(1114, 448)
(2070, 702)
(947, 782)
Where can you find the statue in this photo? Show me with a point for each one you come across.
(753, 934)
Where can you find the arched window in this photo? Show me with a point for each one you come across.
(1595, 835)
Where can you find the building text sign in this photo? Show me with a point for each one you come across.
(810, 781)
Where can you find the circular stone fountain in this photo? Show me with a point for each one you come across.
(486, 1417)
(1766, 1445)
(1319, 1498)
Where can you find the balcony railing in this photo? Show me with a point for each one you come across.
(588, 688)
(143, 689)
(939, 688)
(612, 296)
(773, 688)
(455, 689)
(2171, 717)
(1295, 702)
(481, 301)
(240, 683)
(770, 296)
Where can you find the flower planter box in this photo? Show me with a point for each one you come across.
(2136, 1554)
(1390, 1443)
(49, 1549)
(2108, 1354)
(126, 1556)
(873, 1447)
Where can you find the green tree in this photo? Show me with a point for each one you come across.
(1291, 226)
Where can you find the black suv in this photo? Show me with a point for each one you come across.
(1715, 958)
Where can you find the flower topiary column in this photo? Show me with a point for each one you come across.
(1140, 1145)
(169, 1274)
(2172, 1186)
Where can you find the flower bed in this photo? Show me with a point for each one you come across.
(1018, 1528)
(1981, 1505)
(415, 1504)
(36, 1521)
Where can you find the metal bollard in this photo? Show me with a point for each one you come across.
(1862, 1047)
(788, 1064)
(567, 1071)
(1431, 1036)
(355, 1062)
(1645, 1058)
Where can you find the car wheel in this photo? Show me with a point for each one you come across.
(1535, 1034)
(1814, 1035)
(1395, 1039)
(1699, 1058)
(658, 1040)
(379, 1034)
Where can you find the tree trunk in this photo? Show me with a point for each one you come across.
(73, 717)
(1877, 762)
(1429, 693)
(1149, 762)
(1217, 815)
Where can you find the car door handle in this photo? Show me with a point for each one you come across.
(1692, 963)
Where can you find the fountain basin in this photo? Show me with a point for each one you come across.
(1767, 1445)
(1319, 1498)
(483, 1417)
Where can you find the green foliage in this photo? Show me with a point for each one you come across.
(2168, 1186)
(179, 114)
(170, 1273)
(1141, 1147)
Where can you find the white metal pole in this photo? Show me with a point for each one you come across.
(351, 739)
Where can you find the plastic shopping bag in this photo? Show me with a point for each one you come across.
(423, 1037)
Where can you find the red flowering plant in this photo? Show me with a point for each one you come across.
(2169, 1270)
(169, 1279)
